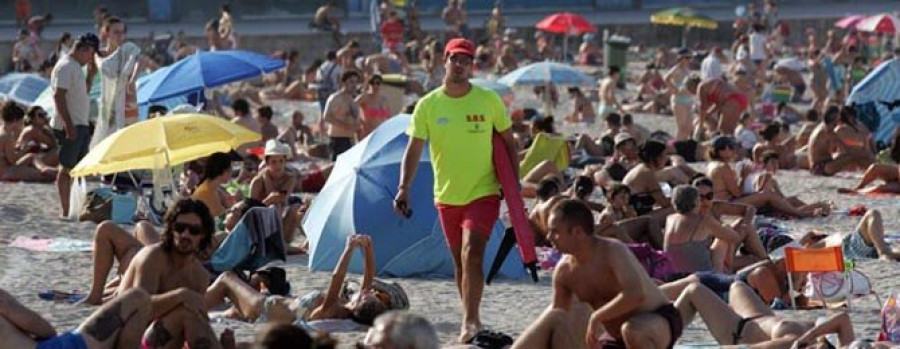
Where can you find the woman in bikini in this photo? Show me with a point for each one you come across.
(889, 173)
(682, 100)
(374, 106)
(747, 320)
(38, 143)
(646, 192)
(852, 133)
(693, 241)
(726, 183)
(10, 154)
(818, 83)
(721, 104)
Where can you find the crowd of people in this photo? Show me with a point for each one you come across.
(722, 265)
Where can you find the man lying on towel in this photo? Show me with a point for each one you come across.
(599, 284)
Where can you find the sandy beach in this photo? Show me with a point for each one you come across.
(508, 306)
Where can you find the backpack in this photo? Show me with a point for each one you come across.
(656, 263)
(890, 320)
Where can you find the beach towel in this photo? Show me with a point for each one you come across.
(253, 243)
(52, 244)
(545, 147)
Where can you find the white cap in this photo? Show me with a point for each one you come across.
(275, 147)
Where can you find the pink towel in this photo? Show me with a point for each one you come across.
(32, 244)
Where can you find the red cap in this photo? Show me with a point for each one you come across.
(459, 45)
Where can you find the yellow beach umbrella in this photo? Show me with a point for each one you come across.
(683, 17)
(169, 140)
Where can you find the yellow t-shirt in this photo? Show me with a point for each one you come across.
(459, 132)
(210, 196)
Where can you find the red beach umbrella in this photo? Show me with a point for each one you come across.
(883, 23)
(849, 22)
(566, 23)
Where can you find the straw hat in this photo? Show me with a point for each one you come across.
(275, 147)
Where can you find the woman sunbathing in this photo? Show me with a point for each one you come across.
(726, 183)
(38, 143)
(715, 209)
(691, 238)
(646, 192)
(889, 173)
(362, 307)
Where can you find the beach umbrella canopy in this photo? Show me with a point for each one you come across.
(683, 17)
(202, 70)
(849, 22)
(169, 140)
(357, 199)
(506, 93)
(877, 100)
(22, 88)
(883, 23)
(546, 73)
(566, 23)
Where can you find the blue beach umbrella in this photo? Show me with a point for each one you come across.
(357, 198)
(547, 73)
(506, 93)
(204, 69)
(22, 88)
(877, 100)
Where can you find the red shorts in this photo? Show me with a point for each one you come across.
(741, 99)
(313, 182)
(477, 216)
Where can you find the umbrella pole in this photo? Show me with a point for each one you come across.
(547, 100)
(565, 57)
(684, 36)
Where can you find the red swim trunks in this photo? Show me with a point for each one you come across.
(741, 99)
(313, 182)
(477, 216)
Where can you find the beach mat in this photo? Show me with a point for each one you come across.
(52, 244)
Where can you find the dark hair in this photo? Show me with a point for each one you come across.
(812, 115)
(373, 78)
(187, 206)
(366, 312)
(331, 55)
(831, 114)
(613, 70)
(278, 336)
(65, 36)
(583, 185)
(895, 146)
(614, 119)
(574, 89)
(627, 119)
(216, 164)
(212, 24)
(770, 131)
(265, 112)
(702, 181)
(156, 108)
(577, 213)
(547, 188)
(248, 203)
(651, 150)
(33, 113)
(769, 155)
(848, 116)
(544, 124)
(240, 106)
(110, 21)
(616, 189)
(349, 74)
(12, 112)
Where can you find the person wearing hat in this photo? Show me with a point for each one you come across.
(458, 121)
(273, 186)
(70, 98)
(726, 183)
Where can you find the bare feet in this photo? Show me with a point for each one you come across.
(468, 331)
(92, 300)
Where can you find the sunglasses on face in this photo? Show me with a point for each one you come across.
(375, 83)
(461, 60)
(190, 228)
(707, 196)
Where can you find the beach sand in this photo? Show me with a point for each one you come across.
(508, 306)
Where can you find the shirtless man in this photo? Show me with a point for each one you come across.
(242, 115)
(342, 115)
(604, 274)
(608, 102)
(274, 185)
(176, 281)
(584, 111)
(618, 220)
(824, 142)
(548, 195)
(266, 128)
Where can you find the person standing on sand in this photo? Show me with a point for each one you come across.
(70, 98)
(608, 102)
(599, 284)
(118, 66)
(458, 120)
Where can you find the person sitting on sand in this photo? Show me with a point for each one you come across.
(38, 143)
(362, 307)
(716, 209)
(584, 110)
(602, 145)
(746, 320)
(646, 192)
(889, 173)
(297, 135)
(599, 284)
(264, 119)
(618, 220)
(692, 238)
(548, 194)
(726, 183)
(825, 142)
(852, 133)
(623, 159)
(118, 324)
(274, 185)
(10, 170)
(172, 274)
(582, 188)
(216, 172)
(775, 139)
(866, 241)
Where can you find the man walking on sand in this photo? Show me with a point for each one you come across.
(70, 98)
(458, 120)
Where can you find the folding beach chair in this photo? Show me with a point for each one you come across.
(822, 260)
(545, 147)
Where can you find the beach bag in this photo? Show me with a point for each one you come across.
(656, 263)
(97, 206)
(77, 197)
(124, 205)
(890, 320)
(836, 286)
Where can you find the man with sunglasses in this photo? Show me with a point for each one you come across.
(459, 120)
(175, 279)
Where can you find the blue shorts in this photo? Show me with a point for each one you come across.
(71, 151)
(68, 340)
(717, 282)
